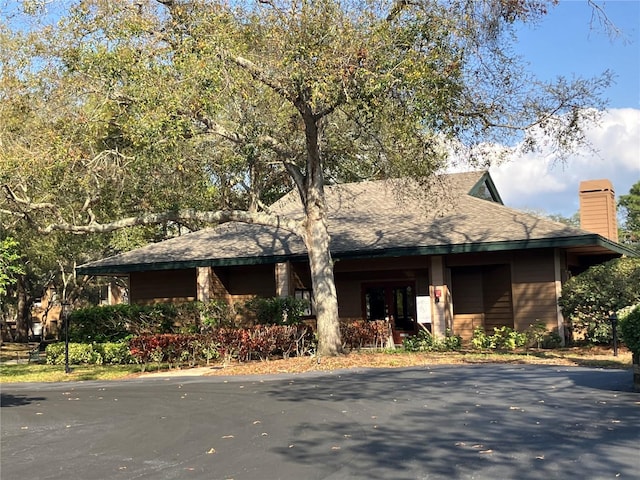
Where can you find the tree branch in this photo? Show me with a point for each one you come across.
(259, 74)
(397, 8)
(264, 140)
(212, 217)
(27, 201)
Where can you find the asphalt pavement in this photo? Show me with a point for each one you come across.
(432, 422)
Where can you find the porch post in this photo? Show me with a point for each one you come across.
(440, 305)
(203, 288)
(558, 283)
(283, 279)
(114, 293)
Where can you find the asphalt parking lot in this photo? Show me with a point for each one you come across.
(453, 422)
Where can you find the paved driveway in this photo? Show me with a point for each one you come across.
(453, 422)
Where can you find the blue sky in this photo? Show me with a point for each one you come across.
(567, 42)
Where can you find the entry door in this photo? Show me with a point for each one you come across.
(394, 303)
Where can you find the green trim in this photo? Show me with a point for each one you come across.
(591, 240)
(213, 262)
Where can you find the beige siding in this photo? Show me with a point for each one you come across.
(534, 290)
(598, 208)
(497, 297)
(468, 303)
(465, 324)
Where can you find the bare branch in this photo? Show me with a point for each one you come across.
(259, 74)
(598, 13)
(27, 201)
(212, 217)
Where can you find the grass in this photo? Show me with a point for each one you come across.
(33, 372)
(598, 357)
(16, 351)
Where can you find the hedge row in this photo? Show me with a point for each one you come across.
(111, 323)
(259, 342)
(112, 353)
(363, 333)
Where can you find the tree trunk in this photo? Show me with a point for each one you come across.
(323, 283)
(23, 317)
(316, 238)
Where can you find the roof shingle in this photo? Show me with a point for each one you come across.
(369, 218)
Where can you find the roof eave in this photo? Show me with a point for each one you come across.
(181, 264)
(443, 249)
(561, 242)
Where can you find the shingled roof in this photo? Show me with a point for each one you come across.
(449, 214)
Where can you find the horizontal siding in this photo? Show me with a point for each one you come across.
(163, 286)
(497, 297)
(466, 290)
(465, 324)
(534, 290)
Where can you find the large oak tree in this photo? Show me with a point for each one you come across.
(184, 112)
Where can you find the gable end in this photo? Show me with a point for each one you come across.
(485, 189)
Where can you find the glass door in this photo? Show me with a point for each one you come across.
(394, 303)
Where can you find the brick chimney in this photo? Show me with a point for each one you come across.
(598, 208)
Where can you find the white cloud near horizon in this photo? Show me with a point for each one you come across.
(540, 182)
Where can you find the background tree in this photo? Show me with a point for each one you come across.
(588, 298)
(10, 264)
(630, 203)
(183, 112)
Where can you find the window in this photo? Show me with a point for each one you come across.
(307, 295)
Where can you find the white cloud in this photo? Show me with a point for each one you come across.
(540, 182)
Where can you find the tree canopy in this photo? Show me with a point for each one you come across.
(630, 204)
(179, 112)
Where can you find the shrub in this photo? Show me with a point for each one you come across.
(216, 313)
(503, 338)
(276, 310)
(361, 333)
(588, 298)
(243, 344)
(480, 339)
(116, 322)
(630, 328)
(538, 336)
(506, 338)
(78, 353)
(426, 342)
(114, 353)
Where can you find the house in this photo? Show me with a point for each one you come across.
(444, 255)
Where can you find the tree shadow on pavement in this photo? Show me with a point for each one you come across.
(472, 422)
(9, 400)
